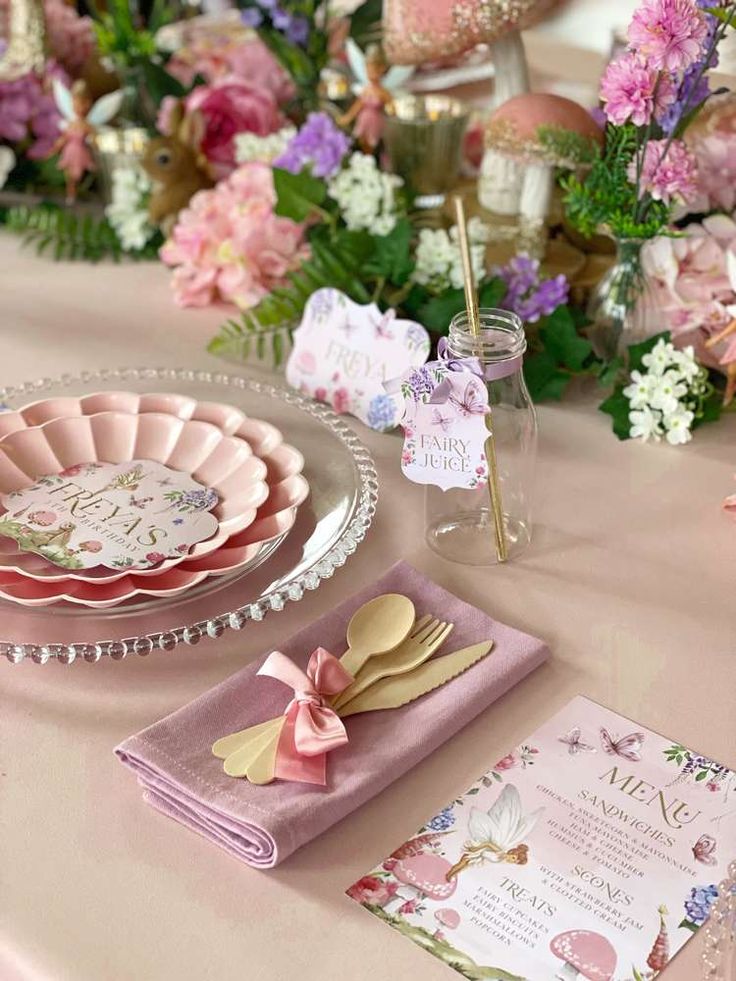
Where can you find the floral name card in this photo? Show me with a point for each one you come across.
(594, 850)
(444, 426)
(344, 353)
(122, 516)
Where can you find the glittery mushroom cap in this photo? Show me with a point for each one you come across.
(449, 918)
(427, 874)
(415, 31)
(537, 127)
(589, 953)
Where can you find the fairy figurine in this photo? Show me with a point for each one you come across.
(81, 117)
(375, 85)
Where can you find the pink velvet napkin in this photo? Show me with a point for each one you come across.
(263, 825)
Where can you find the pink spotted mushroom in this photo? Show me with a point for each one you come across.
(535, 133)
(584, 954)
(427, 875)
(448, 918)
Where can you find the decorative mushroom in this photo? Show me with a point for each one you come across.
(535, 133)
(416, 31)
(426, 873)
(584, 954)
(448, 918)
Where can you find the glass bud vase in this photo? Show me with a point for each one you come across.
(459, 523)
(622, 309)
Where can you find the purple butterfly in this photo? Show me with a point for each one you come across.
(574, 743)
(629, 747)
(381, 327)
(441, 419)
(472, 402)
(703, 850)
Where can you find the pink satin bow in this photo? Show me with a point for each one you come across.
(312, 727)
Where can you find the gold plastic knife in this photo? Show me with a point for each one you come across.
(394, 692)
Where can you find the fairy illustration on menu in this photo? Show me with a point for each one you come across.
(80, 118)
(497, 835)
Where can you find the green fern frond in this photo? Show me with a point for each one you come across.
(67, 235)
(265, 332)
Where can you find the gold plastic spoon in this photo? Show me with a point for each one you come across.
(377, 628)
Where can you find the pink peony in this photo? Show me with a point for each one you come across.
(670, 34)
(229, 245)
(373, 890)
(667, 172)
(230, 106)
(390, 864)
(506, 763)
(633, 91)
(408, 907)
(42, 518)
(155, 557)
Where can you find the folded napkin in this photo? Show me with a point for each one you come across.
(262, 825)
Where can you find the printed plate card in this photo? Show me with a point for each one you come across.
(119, 515)
(444, 427)
(593, 850)
(344, 353)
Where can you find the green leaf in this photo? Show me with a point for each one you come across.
(687, 925)
(392, 259)
(544, 378)
(562, 340)
(710, 410)
(492, 292)
(437, 313)
(298, 195)
(617, 406)
(365, 22)
(159, 83)
(636, 352)
(415, 300)
(724, 14)
(609, 371)
(702, 775)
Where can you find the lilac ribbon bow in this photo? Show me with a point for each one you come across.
(441, 392)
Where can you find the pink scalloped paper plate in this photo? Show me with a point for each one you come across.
(262, 437)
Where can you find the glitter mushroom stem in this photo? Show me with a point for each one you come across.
(471, 304)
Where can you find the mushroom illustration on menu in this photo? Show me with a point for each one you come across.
(427, 874)
(497, 835)
(584, 954)
(447, 918)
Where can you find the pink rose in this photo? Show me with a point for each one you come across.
(91, 546)
(42, 518)
(230, 106)
(408, 907)
(373, 890)
(320, 394)
(155, 557)
(506, 763)
(341, 400)
(390, 864)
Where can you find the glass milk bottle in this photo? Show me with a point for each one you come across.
(459, 523)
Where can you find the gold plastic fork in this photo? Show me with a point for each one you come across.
(427, 636)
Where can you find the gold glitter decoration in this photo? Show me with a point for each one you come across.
(26, 40)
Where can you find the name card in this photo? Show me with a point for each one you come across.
(122, 516)
(344, 353)
(444, 427)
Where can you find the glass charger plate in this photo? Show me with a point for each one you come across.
(329, 527)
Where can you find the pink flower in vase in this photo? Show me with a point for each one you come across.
(667, 171)
(91, 546)
(42, 518)
(341, 400)
(669, 34)
(506, 763)
(633, 91)
(373, 890)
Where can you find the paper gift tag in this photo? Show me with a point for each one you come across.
(122, 516)
(444, 427)
(344, 352)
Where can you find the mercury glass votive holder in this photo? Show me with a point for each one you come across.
(423, 138)
(117, 147)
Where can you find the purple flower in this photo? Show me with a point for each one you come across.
(298, 31)
(251, 17)
(529, 296)
(693, 90)
(26, 110)
(699, 902)
(319, 143)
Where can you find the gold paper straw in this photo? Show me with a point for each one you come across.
(471, 305)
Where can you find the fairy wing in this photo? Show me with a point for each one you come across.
(356, 60)
(396, 77)
(105, 108)
(497, 824)
(63, 100)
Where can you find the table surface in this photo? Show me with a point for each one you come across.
(630, 578)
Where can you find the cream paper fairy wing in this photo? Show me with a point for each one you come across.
(394, 78)
(63, 100)
(504, 825)
(105, 108)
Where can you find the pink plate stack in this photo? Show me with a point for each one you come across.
(256, 475)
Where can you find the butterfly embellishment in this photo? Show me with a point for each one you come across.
(140, 502)
(629, 747)
(471, 402)
(574, 743)
(442, 419)
(703, 850)
(381, 328)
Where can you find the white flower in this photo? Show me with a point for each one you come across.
(639, 392)
(659, 358)
(645, 424)
(678, 426)
(7, 162)
(438, 264)
(264, 149)
(667, 392)
(366, 196)
(685, 363)
(128, 210)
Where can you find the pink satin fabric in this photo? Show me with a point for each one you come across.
(312, 727)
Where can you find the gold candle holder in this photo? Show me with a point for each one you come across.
(423, 137)
(117, 147)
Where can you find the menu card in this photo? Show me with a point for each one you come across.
(593, 850)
